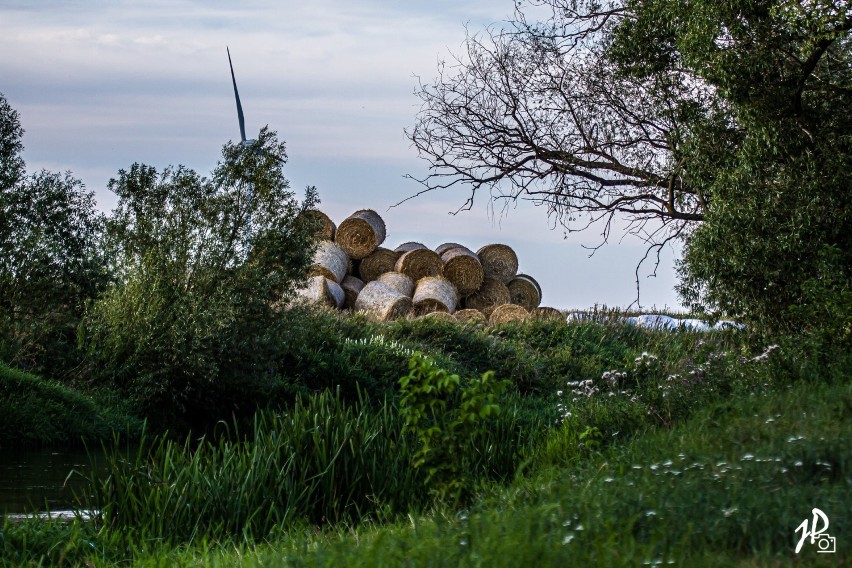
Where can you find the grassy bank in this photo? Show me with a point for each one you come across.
(35, 411)
(611, 445)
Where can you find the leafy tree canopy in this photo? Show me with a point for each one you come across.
(720, 124)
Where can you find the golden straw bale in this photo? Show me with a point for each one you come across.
(463, 269)
(499, 262)
(441, 249)
(525, 291)
(443, 316)
(326, 229)
(419, 263)
(411, 245)
(435, 294)
(400, 282)
(377, 263)
(547, 313)
(507, 313)
(330, 261)
(470, 315)
(321, 290)
(360, 233)
(491, 294)
(352, 287)
(382, 302)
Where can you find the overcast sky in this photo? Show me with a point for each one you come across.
(102, 84)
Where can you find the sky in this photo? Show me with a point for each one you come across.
(102, 84)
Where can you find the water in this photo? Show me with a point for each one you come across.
(37, 480)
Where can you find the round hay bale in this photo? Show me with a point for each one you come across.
(330, 261)
(351, 287)
(499, 262)
(377, 263)
(548, 313)
(411, 245)
(435, 294)
(360, 233)
(507, 313)
(419, 263)
(525, 291)
(326, 229)
(382, 302)
(463, 269)
(321, 290)
(443, 316)
(470, 315)
(441, 249)
(400, 282)
(491, 294)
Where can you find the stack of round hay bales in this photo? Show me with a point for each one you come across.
(435, 294)
(498, 262)
(506, 313)
(377, 263)
(463, 268)
(491, 294)
(350, 269)
(419, 263)
(525, 291)
(398, 281)
(382, 302)
(326, 227)
(331, 261)
(360, 233)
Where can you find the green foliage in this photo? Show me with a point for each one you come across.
(39, 412)
(448, 417)
(324, 461)
(51, 262)
(203, 268)
(772, 155)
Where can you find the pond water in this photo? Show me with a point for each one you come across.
(37, 480)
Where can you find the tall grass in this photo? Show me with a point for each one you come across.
(324, 462)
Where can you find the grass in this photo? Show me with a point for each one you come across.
(662, 447)
(39, 412)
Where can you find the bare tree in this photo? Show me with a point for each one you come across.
(537, 111)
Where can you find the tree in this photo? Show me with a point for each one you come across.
(717, 124)
(50, 261)
(202, 268)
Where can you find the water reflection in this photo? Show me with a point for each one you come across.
(34, 480)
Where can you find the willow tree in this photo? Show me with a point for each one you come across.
(717, 124)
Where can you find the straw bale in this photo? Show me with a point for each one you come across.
(400, 282)
(321, 290)
(360, 233)
(506, 313)
(463, 269)
(411, 245)
(352, 287)
(443, 316)
(377, 263)
(491, 294)
(441, 249)
(470, 315)
(327, 228)
(330, 261)
(419, 263)
(548, 313)
(525, 291)
(435, 294)
(499, 262)
(382, 302)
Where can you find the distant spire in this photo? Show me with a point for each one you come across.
(237, 96)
